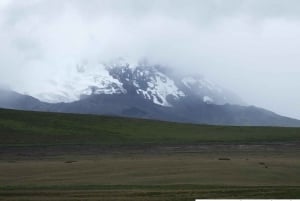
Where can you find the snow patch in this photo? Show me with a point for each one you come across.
(189, 81)
(160, 87)
(83, 80)
(207, 99)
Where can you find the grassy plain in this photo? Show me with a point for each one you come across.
(47, 156)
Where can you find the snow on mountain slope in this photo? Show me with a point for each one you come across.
(82, 80)
(159, 88)
(148, 82)
(200, 83)
(151, 82)
(210, 92)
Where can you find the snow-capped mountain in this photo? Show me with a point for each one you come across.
(158, 84)
(142, 91)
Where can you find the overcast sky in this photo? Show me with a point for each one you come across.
(251, 47)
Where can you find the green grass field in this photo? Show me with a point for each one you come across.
(25, 128)
(50, 156)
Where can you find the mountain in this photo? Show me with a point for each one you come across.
(13, 100)
(143, 91)
(158, 84)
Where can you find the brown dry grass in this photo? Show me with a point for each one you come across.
(151, 177)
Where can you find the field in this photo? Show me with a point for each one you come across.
(47, 156)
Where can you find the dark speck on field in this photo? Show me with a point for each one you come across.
(224, 159)
(70, 161)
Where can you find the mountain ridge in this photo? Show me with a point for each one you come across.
(149, 92)
(135, 107)
(154, 82)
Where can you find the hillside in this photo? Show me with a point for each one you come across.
(23, 127)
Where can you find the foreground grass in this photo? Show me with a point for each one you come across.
(177, 176)
(50, 156)
(144, 193)
(244, 169)
(36, 128)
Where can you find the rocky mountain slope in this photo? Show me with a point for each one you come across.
(158, 84)
(143, 91)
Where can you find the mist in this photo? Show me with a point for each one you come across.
(250, 47)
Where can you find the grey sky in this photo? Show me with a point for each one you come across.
(251, 47)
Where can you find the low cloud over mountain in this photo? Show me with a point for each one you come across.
(250, 47)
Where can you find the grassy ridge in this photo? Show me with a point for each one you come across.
(22, 127)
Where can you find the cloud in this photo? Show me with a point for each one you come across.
(249, 46)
